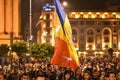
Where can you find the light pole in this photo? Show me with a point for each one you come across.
(30, 16)
(30, 24)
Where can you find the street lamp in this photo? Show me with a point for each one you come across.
(30, 16)
(30, 19)
(65, 4)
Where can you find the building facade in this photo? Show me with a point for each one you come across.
(94, 31)
(9, 21)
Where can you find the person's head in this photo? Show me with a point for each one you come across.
(40, 78)
(56, 67)
(95, 73)
(1, 76)
(67, 75)
(62, 69)
(49, 67)
(25, 76)
(111, 76)
(40, 73)
(102, 72)
(118, 75)
(52, 76)
(86, 75)
(78, 71)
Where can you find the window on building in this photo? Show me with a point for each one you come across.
(90, 46)
(81, 22)
(82, 46)
(114, 45)
(89, 22)
(98, 46)
(106, 46)
(98, 23)
(115, 23)
(106, 22)
(114, 30)
(90, 39)
(48, 24)
(74, 22)
(48, 30)
(106, 32)
(74, 37)
(48, 38)
(115, 38)
(106, 39)
(90, 32)
(97, 15)
(98, 39)
(48, 16)
(90, 36)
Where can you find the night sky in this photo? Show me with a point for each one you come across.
(37, 7)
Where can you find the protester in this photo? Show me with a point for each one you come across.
(2, 77)
(91, 68)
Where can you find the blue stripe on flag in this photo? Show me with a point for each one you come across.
(60, 12)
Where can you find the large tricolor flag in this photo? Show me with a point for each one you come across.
(65, 54)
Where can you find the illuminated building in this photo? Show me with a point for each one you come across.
(94, 31)
(46, 25)
(9, 21)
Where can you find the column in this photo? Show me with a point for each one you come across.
(16, 17)
(9, 15)
(1, 16)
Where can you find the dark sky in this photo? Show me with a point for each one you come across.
(37, 6)
(85, 4)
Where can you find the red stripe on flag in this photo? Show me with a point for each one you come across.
(62, 55)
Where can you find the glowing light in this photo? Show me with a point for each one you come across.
(89, 13)
(105, 13)
(40, 17)
(57, 29)
(113, 13)
(50, 16)
(81, 13)
(73, 12)
(44, 17)
(45, 33)
(77, 49)
(53, 42)
(43, 25)
(65, 3)
(97, 13)
(119, 46)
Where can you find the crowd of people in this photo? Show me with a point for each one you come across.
(91, 68)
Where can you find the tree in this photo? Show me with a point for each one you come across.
(42, 50)
(4, 48)
(19, 47)
(50, 50)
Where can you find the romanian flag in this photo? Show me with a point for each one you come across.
(65, 54)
